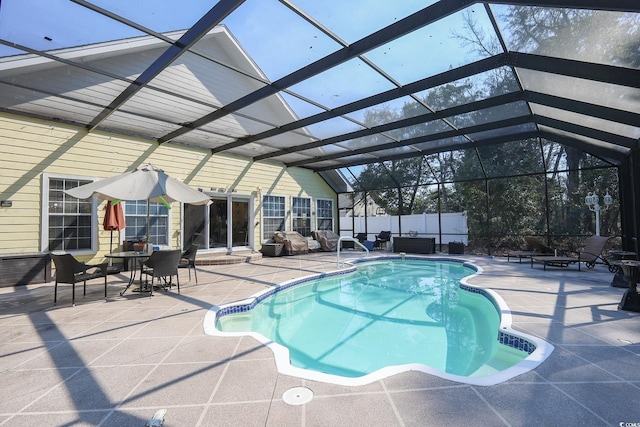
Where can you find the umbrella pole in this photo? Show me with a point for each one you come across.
(148, 224)
(111, 248)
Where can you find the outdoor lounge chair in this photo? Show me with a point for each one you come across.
(589, 255)
(535, 247)
(70, 270)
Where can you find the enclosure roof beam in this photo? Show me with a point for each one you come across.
(449, 76)
(606, 137)
(410, 121)
(611, 5)
(452, 147)
(212, 18)
(484, 127)
(389, 33)
(573, 68)
(580, 107)
(597, 72)
(608, 155)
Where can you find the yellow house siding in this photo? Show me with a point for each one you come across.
(30, 147)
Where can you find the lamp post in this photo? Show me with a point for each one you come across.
(592, 200)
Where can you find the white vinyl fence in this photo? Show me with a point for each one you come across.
(453, 225)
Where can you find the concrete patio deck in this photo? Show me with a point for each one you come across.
(115, 362)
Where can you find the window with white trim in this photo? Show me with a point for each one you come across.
(68, 224)
(324, 213)
(301, 215)
(273, 215)
(136, 219)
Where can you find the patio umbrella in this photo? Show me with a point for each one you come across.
(113, 220)
(144, 183)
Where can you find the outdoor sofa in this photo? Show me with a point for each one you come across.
(294, 242)
(327, 238)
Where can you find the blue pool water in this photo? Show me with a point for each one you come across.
(385, 313)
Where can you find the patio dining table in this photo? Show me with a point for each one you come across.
(126, 256)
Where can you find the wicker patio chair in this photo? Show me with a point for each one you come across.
(163, 264)
(383, 238)
(188, 260)
(70, 270)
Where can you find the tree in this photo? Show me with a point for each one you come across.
(567, 33)
(512, 188)
(397, 181)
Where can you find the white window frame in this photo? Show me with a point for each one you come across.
(307, 216)
(44, 220)
(319, 217)
(265, 217)
(169, 220)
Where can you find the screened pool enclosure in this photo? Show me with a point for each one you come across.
(510, 111)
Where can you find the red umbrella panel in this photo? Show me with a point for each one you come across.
(113, 219)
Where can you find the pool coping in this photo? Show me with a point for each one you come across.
(538, 349)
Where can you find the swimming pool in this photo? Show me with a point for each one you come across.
(382, 317)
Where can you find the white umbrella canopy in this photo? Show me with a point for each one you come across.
(144, 183)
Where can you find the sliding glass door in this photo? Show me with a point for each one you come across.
(222, 225)
(194, 226)
(240, 223)
(218, 223)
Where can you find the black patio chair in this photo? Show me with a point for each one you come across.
(160, 265)
(188, 260)
(70, 270)
(382, 238)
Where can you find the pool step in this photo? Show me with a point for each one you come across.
(227, 258)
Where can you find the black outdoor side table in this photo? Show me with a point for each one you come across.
(272, 249)
(630, 299)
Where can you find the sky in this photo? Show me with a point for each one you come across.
(274, 36)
